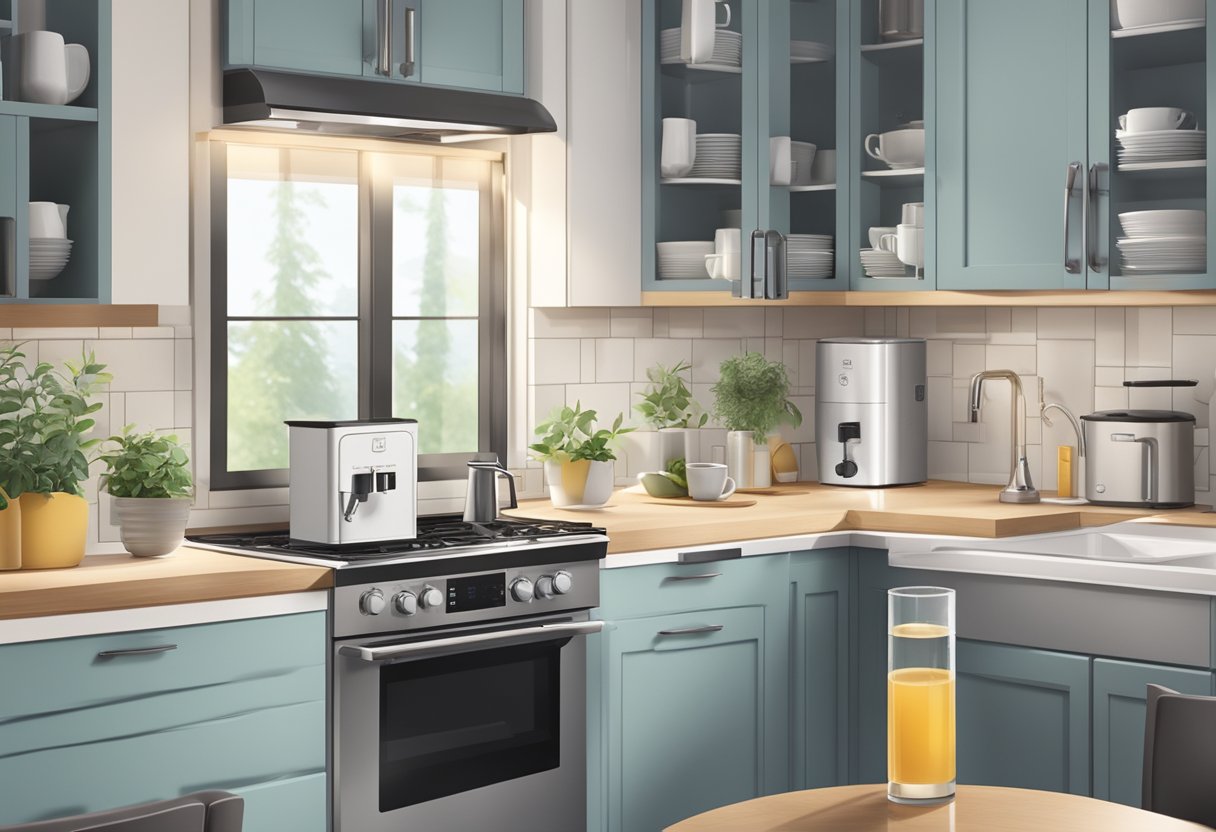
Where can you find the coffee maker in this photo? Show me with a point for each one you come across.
(354, 482)
(871, 414)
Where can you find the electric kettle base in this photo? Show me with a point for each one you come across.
(1137, 504)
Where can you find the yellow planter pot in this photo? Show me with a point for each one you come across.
(10, 536)
(53, 530)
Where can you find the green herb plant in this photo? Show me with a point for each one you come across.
(668, 403)
(146, 465)
(44, 421)
(677, 472)
(569, 435)
(752, 393)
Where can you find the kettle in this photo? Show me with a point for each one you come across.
(481, 500)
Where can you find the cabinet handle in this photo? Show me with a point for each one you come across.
(704, 576)
(690, 631)
(711, 555)
(752, 286)
(136, 651)
(1071, 265)
(407, 66)
(384, 37)
(776, 285)
(1091, 213)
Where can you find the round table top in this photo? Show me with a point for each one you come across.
(974, 809)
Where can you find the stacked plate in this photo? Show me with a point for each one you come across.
(879, 263)
(728, 47)
(1161, 146)
(808, 51)
(48, 256)
(719, 156)
(683, 260)
(809, 255)
(1164, 242)
(802, 155)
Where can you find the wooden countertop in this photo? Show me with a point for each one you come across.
(116, 582)
(637, 523)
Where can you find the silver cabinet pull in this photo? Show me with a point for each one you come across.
(384, 37)
(711, 555)
(407, 66)
(751, 286)
(1072, 265)
(776, 285)
(704, 576)
(438, 646)
(136, 651)
(690, 631)
(1092, 254)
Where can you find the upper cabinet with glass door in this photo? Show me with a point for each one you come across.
(892, 151)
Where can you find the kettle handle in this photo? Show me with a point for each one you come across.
(501, 469)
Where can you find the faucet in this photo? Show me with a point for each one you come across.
(1020, 488)
(1044, 406)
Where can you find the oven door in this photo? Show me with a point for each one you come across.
(455, 731)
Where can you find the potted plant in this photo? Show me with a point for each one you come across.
(668, 406)
(751, 399)
(148, 477)
(577, 458)
(43, 453)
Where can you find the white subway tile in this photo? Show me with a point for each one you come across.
(789, 357)
(1194, 358)
(1108, 376)
(734, 322)
(961, 319)
(586, 361)
(555, 361)
(774, 318)
(613, 359)
(151, 411)
(632, 323)
(543, 399)
(1149, 333)
(968, 359)
(806, 363)
(812, 322)
(1019, 359)
(685, 323)
(902, 325)
(571, 323)
(939, 358)
(948, 461)
(53, 333)
(114, 332)
(1024, 319)
(661, 329)
(708, 355)
(1067, 370)
(754, 345)
(1195, 320)
(1109, 338)
(875, 322)
(183, 332)
(183, 365)
(606, 399)
(58, 352)
(183, 409)
(1012, 339)
(922, 322)
(940, 395)
(999, 319)
(1202, 437)
(668, 352)
(1066, 323)
(152, 332)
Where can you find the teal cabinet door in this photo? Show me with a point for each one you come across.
(1005, 140)
(1023, 718)
(1118, 718)
(819, 683)
(874, 578)
(478, 44)
(304, 35)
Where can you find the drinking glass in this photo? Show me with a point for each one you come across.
(920, 695)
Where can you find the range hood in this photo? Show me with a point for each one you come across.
(336, 105)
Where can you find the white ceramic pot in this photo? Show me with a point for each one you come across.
(582, 483)
(151, 526)
(762, 467)
(741, 458)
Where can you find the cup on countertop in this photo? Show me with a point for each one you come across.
(707, 481)
(48, 220)
(679, 150)
(913, 213)
(48, 71)
(876, 234)
(1148, 119)
(823, 167)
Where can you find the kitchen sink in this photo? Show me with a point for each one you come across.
(1132, 545)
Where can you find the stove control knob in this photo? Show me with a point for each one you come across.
(522, 590)
(563, 582)
(371, 602)
(406, 603)
(549, 585)
(431, 597)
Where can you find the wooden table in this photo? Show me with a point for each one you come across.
(975, 809)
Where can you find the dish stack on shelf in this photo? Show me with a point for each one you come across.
(1164, 242)
(719, 156)
(1153, 147)
(882, 264)
(728, 48)
(810, 51)
(48, 257)
(809, 255)
(684, 260)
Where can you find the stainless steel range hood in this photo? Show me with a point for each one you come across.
(334, 105)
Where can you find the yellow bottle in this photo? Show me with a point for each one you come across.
(1064, 470)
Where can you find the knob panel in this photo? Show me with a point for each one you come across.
(406, 603)
(431, 598)
(522, 590)
(563, 582)
(372, 602)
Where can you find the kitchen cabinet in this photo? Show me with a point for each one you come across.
(690, 703)
(94, 722)
(476, 44)
(1118, 720)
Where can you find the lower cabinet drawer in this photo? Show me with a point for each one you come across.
(664, 588)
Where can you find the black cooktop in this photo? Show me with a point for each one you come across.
(435, 532)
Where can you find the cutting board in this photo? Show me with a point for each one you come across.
(729, 502)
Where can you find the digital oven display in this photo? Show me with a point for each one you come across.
(480, 592)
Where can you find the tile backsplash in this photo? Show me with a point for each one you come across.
(1081, 355)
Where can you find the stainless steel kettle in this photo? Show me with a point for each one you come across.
(481, 500)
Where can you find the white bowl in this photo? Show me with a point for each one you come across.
(1132, 14)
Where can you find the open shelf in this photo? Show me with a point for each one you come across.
(806, 189)
(698, 180)
(896, 52)
(699, 72)
(1159, 46)
(48, 111)
(895, 176)
(895, 45)
(1166, 170)
(66, 313)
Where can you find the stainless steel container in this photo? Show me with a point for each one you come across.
(871, 415)
(901, 19)
(1143, 458)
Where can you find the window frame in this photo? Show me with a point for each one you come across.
(374, 315)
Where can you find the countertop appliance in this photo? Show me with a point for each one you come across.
(871, 415)
(458, 672)
(354, 482)
(1142, 458)
(481, 498)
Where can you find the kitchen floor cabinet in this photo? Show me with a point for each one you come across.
(96, 722)
(689, 680)
(476, 44)
(1118, 720)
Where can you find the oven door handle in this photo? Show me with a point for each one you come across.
(440, 645)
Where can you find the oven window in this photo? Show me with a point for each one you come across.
(455, 723)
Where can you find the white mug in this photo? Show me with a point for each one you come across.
(724, 266)
(708, 481)
(50, 71)
(679, 150)
(898, 149)
(877, 233)
(727, 240)
(888, 243)
(780, 161)
(910, 245)
(48, 220)
(698, 24)
(1146, 119)
(913, 213)
(823, 167)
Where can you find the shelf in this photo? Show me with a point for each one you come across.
(895, 176)
(699, 72)
(797, 61)
(806, 189)
(896, 52)
(44, 315)
(1137, 298)
(1162, 29)
(1159, 46)
(48, 111)
(697, 180)
(893, 46)
(1166, 170)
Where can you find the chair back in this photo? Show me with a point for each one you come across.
(1180, 756)
(210, 811)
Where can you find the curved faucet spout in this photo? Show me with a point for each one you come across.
(1020, 488)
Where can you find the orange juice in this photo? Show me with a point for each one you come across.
(920, 707)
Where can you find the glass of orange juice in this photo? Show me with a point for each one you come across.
(920, 694)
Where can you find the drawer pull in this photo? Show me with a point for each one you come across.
(704, 576)
(711, 555)
(690, 631)
(136, 651)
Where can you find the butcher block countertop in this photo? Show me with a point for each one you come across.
(637, 522)
(116, 582)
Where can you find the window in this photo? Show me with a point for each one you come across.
(355, 283)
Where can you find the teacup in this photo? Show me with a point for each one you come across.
(910, 245)
(1148, 119)
(913, 213)
(708, 481)
(876, 234)
(899, 149)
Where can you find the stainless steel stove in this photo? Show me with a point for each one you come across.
(458, 671)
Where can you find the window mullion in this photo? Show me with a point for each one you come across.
(376, 293)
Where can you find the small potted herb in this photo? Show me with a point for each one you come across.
(668, 406)
(577, 457)
(751, 400)
(148, 477)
